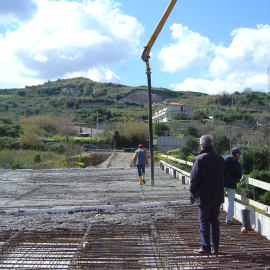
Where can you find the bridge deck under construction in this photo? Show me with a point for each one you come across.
(164, 244)
(162, 237)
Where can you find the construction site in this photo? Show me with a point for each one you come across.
(101, 218)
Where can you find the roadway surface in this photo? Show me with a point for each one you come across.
(115, 182)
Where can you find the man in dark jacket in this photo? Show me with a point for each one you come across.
(233, 174)
(207, 188)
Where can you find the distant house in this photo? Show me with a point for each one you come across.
(168, 113)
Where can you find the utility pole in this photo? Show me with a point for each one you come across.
(230, 136)
(268, 75)
(115, 105)
(145, 57)
(97, 124)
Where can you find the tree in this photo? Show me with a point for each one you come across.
(255, 159)
(9, 130)
(192, 131)
(221, 142)
(191, 146)
(37, 158)
(131, 134)
(200, 115)
(115, 139)
(31, 137)
(161, 129)
(181, 116)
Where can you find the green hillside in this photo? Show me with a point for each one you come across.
(38, 123)
(84, 98)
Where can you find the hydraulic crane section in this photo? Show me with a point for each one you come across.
(145, 57)
(147, 48)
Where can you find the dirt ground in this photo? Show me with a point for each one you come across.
(114, 183)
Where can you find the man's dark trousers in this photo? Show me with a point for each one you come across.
(209, 226)
(141, 169)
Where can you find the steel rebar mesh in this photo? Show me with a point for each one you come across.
(163, 244)
(40, 250)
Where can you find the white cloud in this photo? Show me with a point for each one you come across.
(211, 87)
(190, 49)
(248, 52)
(98, 74)
(65, 37)
(230, 83)
(242, 64)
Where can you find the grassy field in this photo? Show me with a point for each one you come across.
(15, 159)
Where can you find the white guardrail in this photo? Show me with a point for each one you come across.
(248, 180)
(257, 219)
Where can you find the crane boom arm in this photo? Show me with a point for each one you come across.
(147, 49)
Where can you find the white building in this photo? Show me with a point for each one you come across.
(168, 113)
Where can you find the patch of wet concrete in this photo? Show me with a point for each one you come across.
(58, 188)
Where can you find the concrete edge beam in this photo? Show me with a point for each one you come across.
(259, 222)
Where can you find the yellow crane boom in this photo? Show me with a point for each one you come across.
(147, 48)
(145, 57)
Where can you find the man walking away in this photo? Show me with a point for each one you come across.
(233, 174)
(207, 188)
(140, 158)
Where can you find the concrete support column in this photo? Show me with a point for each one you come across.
(183, 180)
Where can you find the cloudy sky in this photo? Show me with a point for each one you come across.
(206, 45)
